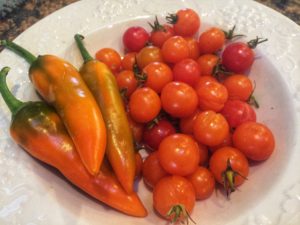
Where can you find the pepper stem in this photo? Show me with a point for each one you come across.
(11, 101)
(30, 58)
(84, 53)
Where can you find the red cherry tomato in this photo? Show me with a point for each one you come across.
(238, 57)
(239, 87)
(175, 49)
(174, 198)
(227, 142)
(158, 75)
(186, 124)
(211, 41)
(229, 165)
(110, 57)
(207, 63)
(160, 34)
(152, 170)
(193, 47)
(138, 164)
(126, 80)
(210, 128)
(144, 105)
(255, 140)
(179, 99)
(203, 181)
(135, 38)
(186, 22)
(154, 135)
(212, 94)
(187, 71)
(179, 154)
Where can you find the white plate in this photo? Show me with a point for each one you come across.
(31, 193)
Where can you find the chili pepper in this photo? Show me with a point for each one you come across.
(120, 145)
(38, 129)
(61, 85)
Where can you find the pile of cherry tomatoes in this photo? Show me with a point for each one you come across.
(188, 98)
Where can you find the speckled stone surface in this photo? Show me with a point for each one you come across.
(28, 13)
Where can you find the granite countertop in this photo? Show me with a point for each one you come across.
(17, 15)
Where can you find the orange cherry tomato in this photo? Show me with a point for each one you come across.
(148, 55)
(110, 57)
(127, 81)
(210, 128)
(193, 48)
(128, 61)
(211, 40)
(175, 49)
(186, 124)
(207, 63)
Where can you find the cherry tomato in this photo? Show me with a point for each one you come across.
(203, 151)
(175, 49)
(179, 99)
(179, 154)
(174, 198)
(111, 58)
(126, 80)
(152, 170)
(211, 41)
(158, 75)
(226, 142)
(237, 57)
(186, 22)
(207, 63)
(255, 140)
(137, 129)
(144, 105)
(161, 33)
(203, 181)
(148, 55)
(212, 94)
(154, 135)
(210, 128)
(128, 61)
(193, 47)
(186, 124)
(135, 38)
(229, 165)
(187, 71)
(237, 112)
(138, 164)
(239, 87)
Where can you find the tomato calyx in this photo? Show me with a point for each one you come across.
(172, 18)
(139, 75)
(252, 100)
(178, 211)
(219, 71)
(228, 177)
(230, 34)
(156, 26)
(253, 43)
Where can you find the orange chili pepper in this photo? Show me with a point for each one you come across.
(38, 129)
(61, 85)
(120, 146)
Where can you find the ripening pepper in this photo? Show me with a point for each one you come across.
(61, 85)
(37, 128)
(120, 146)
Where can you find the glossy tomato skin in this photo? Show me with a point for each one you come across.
(127, 81)
(175, 49)
(171, 191)
(179, 99)
(144, 105)
(158, 37)
(186, 124)
(210, 128)
(158, 75)
(148, 55)
(193, 48)
(238, 57)
(154, 135)
(203, 181)
(152, 170)
(211, 40)
(128, 61)
(136, 128)
(239, 87)
(212, 94)
(135, 38)
(255, 140)
(207, 63)
(179, 154)
(238, 162)
(237, 112)
(187, 71)
(111, 58)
